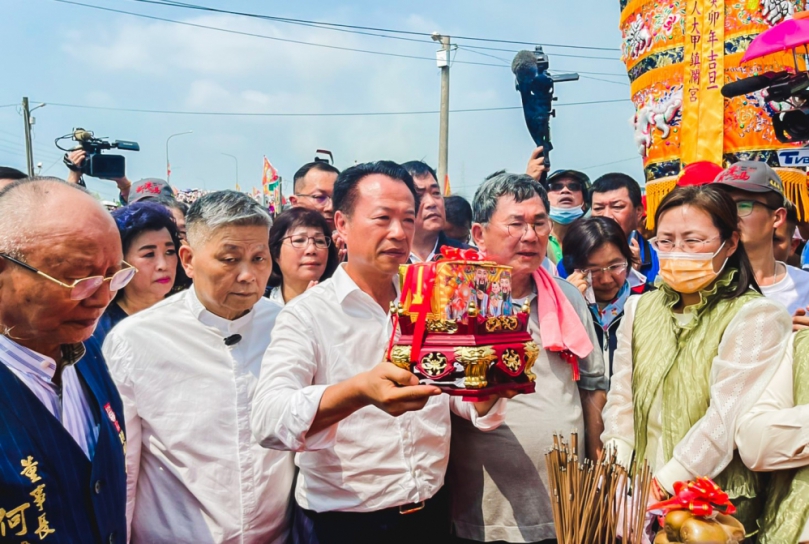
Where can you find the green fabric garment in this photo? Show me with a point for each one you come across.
(554, 250)
(678, 359)
(787, 508)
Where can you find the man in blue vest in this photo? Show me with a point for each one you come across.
(62, 436)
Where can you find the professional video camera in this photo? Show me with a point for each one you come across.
(788, 96)
(96, 164)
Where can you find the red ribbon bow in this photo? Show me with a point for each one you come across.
(457, 254)
(701, 497)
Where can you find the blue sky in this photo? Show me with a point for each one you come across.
(67, 54)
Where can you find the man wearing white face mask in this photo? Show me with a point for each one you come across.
(567, 193)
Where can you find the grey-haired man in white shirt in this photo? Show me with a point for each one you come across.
(373, 444)
(187, 369)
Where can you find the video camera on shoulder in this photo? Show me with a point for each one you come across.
(97, 164)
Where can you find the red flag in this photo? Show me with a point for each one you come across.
(447, 190)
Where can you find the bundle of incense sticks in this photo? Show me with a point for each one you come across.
(596, 502)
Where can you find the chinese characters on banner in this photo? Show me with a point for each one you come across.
(703, 104)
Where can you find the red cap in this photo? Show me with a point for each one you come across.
(699, 173)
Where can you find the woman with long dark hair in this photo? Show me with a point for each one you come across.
(596, 250)
(302, 253)
(150, 240)
(695, 354)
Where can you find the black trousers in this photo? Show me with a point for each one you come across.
(427, 526)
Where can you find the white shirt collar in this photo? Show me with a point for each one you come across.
(226, 326)
(416, 259)
(344, 285)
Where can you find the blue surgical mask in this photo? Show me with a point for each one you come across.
(565, 216)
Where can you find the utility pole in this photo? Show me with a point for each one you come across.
(236, 160)
(29, 150)
(168, 164)
(442, 58)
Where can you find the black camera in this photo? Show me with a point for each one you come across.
(96, 164)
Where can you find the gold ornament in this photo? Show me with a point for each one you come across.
(531, 354)
(493, 324)
(434, 364)
(442, 325)
(511, 359)
(400, 356)
(476, 362)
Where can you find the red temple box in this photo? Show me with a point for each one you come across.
(459, 329)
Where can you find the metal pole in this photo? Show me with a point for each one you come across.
(237, 165)
(443, 133)
(168, 164)
(29, 150)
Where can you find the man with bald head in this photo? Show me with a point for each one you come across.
(62, 441)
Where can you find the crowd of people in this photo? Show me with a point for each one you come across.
(202, 372)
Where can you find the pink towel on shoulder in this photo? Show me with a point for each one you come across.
(560, 325)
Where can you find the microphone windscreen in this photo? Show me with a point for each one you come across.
(523, 60)
(747, 85)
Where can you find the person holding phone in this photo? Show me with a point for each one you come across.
(598, 253)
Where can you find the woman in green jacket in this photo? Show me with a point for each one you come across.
(695, 354)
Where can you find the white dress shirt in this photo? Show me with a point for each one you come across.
(774, 434)
(751, 348)
(68, 402)
(195, 473)
(370, 460)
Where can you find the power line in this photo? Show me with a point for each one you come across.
(335, 26)
(326, 114)
(264, 36)
(507, 64)
(8, 105)
(636, 157)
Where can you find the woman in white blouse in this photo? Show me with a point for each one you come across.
(302, 254)
(694, 355)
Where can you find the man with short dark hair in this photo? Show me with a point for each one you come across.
(372, 443)
(784, 241)
(187, 368)
(458, 225)
(618, 196)
(429, 236)
(761, 203)
(9, 175)
(313, 187)
(62, 441)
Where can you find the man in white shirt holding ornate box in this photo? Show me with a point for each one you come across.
(373, 444)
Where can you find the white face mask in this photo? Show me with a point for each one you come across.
(689, 272)
(565, 216)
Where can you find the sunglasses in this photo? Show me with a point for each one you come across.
(85, 287)
(572, 186)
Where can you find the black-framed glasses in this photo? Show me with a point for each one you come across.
(617, 268)
(85, 287)
(321, 198)
(300, 241)
(572, 186)
(745, 207)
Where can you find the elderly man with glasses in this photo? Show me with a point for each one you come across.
(498, 480)
(62, 441)
(187, 369)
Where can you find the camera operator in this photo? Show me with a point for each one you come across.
(74, 160)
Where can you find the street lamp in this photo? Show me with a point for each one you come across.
(237, 166)
(168, 164)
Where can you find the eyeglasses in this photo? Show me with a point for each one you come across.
(572, 186)
(689, 246)
(85, 287)
(299, 242)
(745, 207)
(320, 198)
(519, 230)
(613, 269)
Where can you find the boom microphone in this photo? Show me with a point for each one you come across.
(524, 60)
(752, 84)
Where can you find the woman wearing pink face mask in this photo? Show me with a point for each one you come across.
(695, 354)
